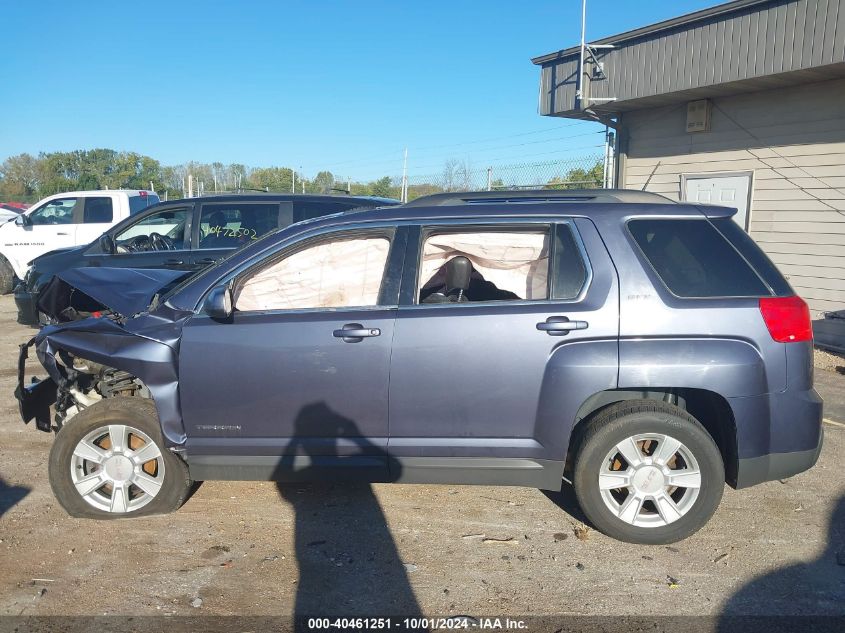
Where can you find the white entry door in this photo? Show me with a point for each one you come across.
(728, 190)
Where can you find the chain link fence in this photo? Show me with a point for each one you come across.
(584, 172)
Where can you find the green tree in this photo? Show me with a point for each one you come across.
(579, 178)
(382, 188)
(272, 178)
(19, 176)
(323, 182)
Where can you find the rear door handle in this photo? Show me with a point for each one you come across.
(355, 332)
(173, 262)
(207, 261)
(62, 233)
(560, 326)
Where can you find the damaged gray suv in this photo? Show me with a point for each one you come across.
(643, 350)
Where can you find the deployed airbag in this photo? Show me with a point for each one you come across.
(329, 275)
(517, 262)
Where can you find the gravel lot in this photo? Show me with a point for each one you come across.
(253, 548)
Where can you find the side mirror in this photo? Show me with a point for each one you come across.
(218, 303)
(106, 244)
(23, 220)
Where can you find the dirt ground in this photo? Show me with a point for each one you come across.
(253, 548)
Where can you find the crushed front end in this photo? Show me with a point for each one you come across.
(106, 355)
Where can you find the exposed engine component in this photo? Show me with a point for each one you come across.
(119, 383)
(89, 382)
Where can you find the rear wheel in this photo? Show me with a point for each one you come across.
(647, 472)
(7, 276)
(110, 462)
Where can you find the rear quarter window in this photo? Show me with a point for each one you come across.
(694, 260)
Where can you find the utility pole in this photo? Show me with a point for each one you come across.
(349, 184)
(403, 197)
(292, 180)
(579, 86)
(190, 185)
(606, 157)
(489, 179)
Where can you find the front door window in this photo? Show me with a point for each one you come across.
(59, 211)
(160, 231)
(337, 273)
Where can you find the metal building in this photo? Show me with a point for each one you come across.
(741, 104)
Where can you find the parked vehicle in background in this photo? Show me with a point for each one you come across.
(61, 221)
(644, 350)
(10, 211)
(186, 235)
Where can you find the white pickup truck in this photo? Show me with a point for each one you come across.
(62, 221)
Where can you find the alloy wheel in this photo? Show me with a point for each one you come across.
(649, 480)
(117, 468)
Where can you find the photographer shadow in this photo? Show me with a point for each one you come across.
(816, 588)
(349, 565)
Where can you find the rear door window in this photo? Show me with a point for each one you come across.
(98, 211)
(694, 260)
(235, 224)
(570, 269)
(504, 265)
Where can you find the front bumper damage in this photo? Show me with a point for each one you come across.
(144, 347)
(35, 399)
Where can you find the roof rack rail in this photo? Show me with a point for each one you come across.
(523, 196)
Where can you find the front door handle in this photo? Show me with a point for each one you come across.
(62, 233)
(355, 332)
(207, 261)
(560, 326)
(173, 262)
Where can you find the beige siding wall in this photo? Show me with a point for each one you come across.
(793, 140)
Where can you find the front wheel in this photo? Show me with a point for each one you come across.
(647, 472)
(110, 462)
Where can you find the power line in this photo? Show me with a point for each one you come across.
(498, 138)
(381, 157)
(482, 149)
(499, 161)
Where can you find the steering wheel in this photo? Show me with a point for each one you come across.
(135, 244)
(161, 242)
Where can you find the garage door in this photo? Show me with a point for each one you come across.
(729, 190)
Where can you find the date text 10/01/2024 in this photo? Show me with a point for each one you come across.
(416, 623)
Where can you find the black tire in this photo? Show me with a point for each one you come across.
(7, 276)
(627, 419)
(139, 413)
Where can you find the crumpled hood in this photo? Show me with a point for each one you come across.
(125, 291)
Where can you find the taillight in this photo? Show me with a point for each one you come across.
(787, 318)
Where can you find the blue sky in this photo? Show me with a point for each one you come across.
(342, 86)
